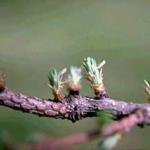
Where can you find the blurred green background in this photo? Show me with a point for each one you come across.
(38, 34)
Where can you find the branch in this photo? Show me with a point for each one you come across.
(75, 106)
(66, 142)
(106, 132)
(123, 125)
(72, 107)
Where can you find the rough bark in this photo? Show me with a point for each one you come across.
(73, 107)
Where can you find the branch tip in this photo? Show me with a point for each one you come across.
(147, 89)
(101, 64)
(2, 81)
(56, 83)
(74, 79)
(94, 74)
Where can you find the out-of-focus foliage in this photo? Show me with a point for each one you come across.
(110, 142)
(103, 118)
(37, 35)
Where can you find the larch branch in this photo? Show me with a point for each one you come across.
(73, 107)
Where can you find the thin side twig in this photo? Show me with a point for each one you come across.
(66, 142)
